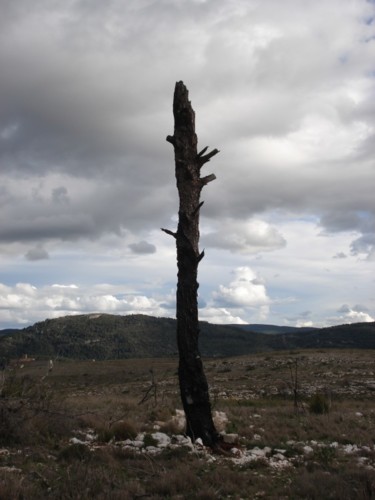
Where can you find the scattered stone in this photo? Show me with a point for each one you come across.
(273, 458)
(178, 421)
(75, 440)
(220, 420)
(307, 450)
(350, 448)
(276, 462)
(137, 443)
(162, 439)
(10, 469)
(183, 441)
(260, 452)
(230, 438)
(153, 450)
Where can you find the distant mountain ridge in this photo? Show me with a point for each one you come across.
(9, 331)
(273, 329)
(106, 336)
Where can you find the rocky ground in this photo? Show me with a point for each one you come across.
(294, 425)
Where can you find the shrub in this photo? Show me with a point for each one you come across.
(319, 404)
(72, 452)
(119, 431)
(148, 440)
(30, 412)
(9, 433)
(123, 430)
(324, 455)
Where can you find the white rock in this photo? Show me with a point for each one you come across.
(153, 450)
(350, 448)
(245, 459)
(76, 441)
(230, 438)
(307, 450)
(12, 468)
(260, 452)
(178, 420)
(163, 439)
(280, 464)
(220, 420)
(182, 440)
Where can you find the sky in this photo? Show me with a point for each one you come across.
(286, 92)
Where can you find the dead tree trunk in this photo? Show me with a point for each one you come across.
(188, 163)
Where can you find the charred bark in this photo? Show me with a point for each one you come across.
(188, 164)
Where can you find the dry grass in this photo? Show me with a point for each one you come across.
(39, 415)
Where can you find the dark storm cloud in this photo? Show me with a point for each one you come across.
(142, 247)
(60, 195)
(37, 253)
(73, 85)
(86, 93)
(364, 245)
(84, 209)
(285, 93)
(60, 227)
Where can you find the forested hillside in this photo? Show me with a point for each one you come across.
(106, 336)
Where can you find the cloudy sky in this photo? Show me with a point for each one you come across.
(285, 90)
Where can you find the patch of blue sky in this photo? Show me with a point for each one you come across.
(366, 217)
(312, 219)
(344, 58)
(37, 273)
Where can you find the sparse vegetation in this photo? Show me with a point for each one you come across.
(319, 404)
(56, 450)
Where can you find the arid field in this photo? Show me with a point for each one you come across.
(295, 425)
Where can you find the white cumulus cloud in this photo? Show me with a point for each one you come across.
(250, 236)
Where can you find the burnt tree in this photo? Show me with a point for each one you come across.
(188, 164)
